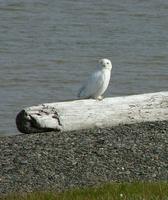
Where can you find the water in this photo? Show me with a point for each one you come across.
(47, 48)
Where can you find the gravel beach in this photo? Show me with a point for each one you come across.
(72, 159)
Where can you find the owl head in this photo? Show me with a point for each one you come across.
(105, 63)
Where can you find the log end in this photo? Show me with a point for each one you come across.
(27, 124)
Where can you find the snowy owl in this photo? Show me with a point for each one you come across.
(98, 82)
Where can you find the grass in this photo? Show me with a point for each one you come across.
(111, 191)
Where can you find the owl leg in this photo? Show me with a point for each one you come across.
(100, 98)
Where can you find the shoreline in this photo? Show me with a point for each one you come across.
(62, 160)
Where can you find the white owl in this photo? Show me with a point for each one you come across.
(98, 82)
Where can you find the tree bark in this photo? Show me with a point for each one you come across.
(90, 113)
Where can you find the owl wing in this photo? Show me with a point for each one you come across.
(92, 85)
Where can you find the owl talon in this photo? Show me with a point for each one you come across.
(100, 98)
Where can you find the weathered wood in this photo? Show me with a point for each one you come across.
(83, 114)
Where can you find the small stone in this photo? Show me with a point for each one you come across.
(121, 195)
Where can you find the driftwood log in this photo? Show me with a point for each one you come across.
(83, 114)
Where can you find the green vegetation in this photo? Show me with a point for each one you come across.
(112, 191)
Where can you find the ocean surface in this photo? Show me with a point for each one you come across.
(48, 48)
